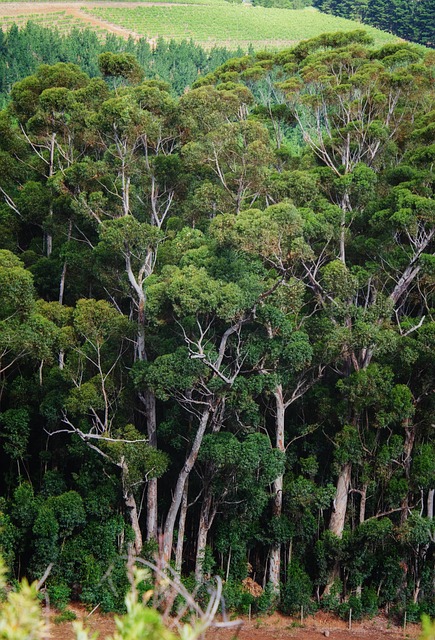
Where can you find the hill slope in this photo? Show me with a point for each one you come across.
(208, 22)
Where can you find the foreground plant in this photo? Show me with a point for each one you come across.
(21, 617)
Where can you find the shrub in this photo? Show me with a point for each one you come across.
(236, 598)
(370, 601)
(354, 603)
(59, 595)
(297, 591)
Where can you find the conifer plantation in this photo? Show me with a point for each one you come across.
(217, 324)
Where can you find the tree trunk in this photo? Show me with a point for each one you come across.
(168, 532)
(430, 503)
(64, 269)
(407, 458)
(345, 206)
(130, 503)
(362, 504)
(181, 528)
(149, 400)
(338, 516)
(131, 506)
(48, 238)
(206, 518)
(275, 552)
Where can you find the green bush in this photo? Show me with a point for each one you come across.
(354, 603)
(236, 598)
(370, 601)
(297, 591)
(65, 616)
(266, 603)
(59, 595)
(331, 601)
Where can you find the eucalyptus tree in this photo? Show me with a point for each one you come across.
(127, 189)
(96, 406)
(47, 111)
(211, 295)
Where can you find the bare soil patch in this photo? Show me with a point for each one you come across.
(275, 627)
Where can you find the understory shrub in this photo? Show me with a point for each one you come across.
(297, 591)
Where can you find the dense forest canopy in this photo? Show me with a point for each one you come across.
(216, 326)
(179, 63)
(409, 19)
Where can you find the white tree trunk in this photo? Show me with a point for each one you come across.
(407, 458)
(430, 503)
(168, 533)
(131, 506)
(149, 401)
(205, 521)
(181, 529)
(130, 503)
(362, 504)
(275, 552)
(338, 516)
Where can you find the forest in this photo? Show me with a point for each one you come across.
(217, 329)
(409, 19)
(178, 63)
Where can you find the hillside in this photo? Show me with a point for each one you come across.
(208, 22)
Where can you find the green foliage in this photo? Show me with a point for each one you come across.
(65, 616)
(16, 431)
(354, 603)
(235, 292)
(297, 591)
(209, 22)
(59, 595)
(21, 616)
(236, 598)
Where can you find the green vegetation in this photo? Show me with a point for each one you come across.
(59, 20)
(237, 24)
(217, 329)
(410, 19)
(23, 50)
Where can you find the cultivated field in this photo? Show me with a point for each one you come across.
(232, 24)
(209, 22)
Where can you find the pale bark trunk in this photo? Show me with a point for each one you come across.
(168, 533)
(181, 529)
(47, 235)
(416, 591)
(275, 552)
(430, 503)
(131, 506)
(362, 504)
(345, 207)
(205, 521)
(338, 516)
(64, 269)
(62, 282)
(130, 503)
(149, 401)
(407, 457)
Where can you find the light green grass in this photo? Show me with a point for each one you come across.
(54, 20)
(232, 24)
(205, 2)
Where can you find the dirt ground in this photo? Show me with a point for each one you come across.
(276, 627)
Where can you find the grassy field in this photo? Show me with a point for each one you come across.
(235, 24)
(60, 20)
(208, 22)
(231, 25)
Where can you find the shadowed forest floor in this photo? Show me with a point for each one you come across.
(275, 627)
